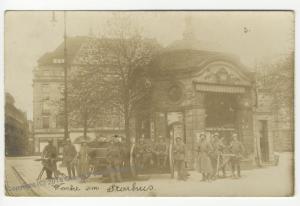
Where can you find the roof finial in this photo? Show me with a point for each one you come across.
(188, 33)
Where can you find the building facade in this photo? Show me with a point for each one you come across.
(48, 87)
(16, 129)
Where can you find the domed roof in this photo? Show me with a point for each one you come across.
(183, 61)
(189, 55)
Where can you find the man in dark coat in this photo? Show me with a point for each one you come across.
(179, 155)
(237, 149)
(49, 156)
(114, 160)
(69, 155)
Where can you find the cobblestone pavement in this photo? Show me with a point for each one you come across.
(255, 182)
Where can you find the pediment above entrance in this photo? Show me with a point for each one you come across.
(223, 73)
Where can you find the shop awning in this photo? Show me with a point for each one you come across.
(220, 88)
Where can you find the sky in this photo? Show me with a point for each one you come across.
(30, 34)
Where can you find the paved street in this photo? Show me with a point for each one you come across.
(255, 182)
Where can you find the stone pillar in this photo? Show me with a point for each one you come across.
(245, 123)
(194, 123)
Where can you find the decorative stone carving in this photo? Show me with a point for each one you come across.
(222, 73)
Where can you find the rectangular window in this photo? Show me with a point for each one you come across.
(45, 89)
(45, 123)
(46, 107)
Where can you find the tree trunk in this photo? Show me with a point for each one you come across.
(85, 125)
(127, 115)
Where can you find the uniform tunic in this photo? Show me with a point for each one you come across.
(50, 154)
(204, 161)
(83, 162)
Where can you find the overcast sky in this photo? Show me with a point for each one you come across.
(28, 35)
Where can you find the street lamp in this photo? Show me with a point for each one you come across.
(66, 119)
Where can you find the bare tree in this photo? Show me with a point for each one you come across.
(126, 54)
(89, 97)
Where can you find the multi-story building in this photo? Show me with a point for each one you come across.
(48, 86)
(16, 129)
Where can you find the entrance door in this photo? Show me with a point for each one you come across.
(264, 142)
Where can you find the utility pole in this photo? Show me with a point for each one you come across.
(66, 116)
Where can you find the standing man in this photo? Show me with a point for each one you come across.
(114, 160)
(144, 155)
(125, 156)
(214, 154)
(83, 162)
(204, 149)
(237, 149)
(179, 154)
(216, 157)
(49, 156)
(69, 155)
(161, 151)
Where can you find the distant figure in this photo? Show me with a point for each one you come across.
(216, 157)
(69, 155)
(215, 152)
(114, 160)
(125, 156)
(179, 155)
(237, 149)
(83, 162)
(49, 155)
(144, 155)
(161, 152)
(204, 149)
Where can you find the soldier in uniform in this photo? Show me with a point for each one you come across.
(125, 155)
(236, 148)
(214, 154)
(69, 155)
(49, 156)
(179, 155)
(83, 162)
(222, 160)
(204, 149)
(161, 151)
(144, 154)
(114, 160)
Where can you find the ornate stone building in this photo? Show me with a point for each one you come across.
(195, 89)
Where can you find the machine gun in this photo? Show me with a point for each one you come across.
(56, 172)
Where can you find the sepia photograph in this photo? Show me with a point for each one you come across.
(149, 103)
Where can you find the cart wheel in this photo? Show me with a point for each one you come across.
(171, 159)
(132, 161)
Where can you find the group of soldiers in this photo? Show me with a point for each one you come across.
(151, 154)
(213, 155)
(70, 159)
